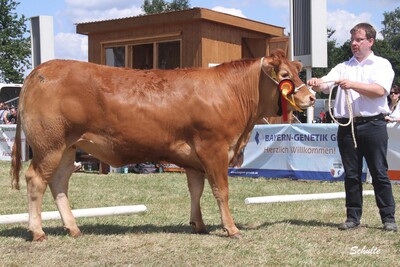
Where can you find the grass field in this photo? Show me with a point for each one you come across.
(279, 234)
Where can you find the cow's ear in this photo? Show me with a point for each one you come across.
(271, 62)
(298, 65)
(271, 66)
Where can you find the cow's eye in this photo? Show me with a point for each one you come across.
(285, 75)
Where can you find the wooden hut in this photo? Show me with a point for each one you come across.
(194, 37)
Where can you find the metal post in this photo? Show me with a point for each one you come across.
(42, 39)
(310, 110)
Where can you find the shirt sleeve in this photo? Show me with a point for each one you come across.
(384, 74)
(331, 77)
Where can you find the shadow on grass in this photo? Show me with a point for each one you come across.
(112, 229)
(294, 222)
(105, 229)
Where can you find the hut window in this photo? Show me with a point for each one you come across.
(142, 56)
(160, 54)
(169, 55)
(115, 56)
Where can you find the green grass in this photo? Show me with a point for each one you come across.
(279, 234)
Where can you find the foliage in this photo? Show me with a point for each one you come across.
(159, 6)
(391, 28)
(390, 47)
(384, 49)
(15, 48)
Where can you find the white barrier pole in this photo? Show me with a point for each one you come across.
(94, 212)
(302, 197)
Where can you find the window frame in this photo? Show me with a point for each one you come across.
(129, 43)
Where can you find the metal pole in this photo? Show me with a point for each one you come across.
(310, 110)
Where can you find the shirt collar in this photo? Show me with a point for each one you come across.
(370, 59)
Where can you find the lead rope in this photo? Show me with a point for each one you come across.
(349, 107)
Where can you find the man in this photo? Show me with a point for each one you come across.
(12, 116)
(363, 85)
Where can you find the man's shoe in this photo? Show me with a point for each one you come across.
(390, 226)
(348, 225)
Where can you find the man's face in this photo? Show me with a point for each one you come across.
(360, 44)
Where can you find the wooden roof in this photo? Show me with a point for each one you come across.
(178, 17)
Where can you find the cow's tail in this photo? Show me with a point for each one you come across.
(16, 158)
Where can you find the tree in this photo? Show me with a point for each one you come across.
(384, 49)
(391, 28)
(390, 46)
(15, 49)
(176, 5)
(150, 7)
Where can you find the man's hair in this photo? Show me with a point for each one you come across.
(370, 32)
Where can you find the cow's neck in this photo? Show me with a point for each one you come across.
(268, 98)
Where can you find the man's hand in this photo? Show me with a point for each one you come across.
(345, 84)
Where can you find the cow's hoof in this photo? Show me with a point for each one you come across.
(39, 237)
(202, 232)
(233, 233)
(199, 229)
(236, 236)
(74, 233)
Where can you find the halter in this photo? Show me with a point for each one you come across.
(286, 91)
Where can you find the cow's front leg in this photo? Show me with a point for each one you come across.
(220, 189)
(196, 187)
(215, 161)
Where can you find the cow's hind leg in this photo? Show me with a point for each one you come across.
(36, 186)
(196, 186)
(59, 189)
(38, 175)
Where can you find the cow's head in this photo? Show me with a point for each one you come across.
(284, 74)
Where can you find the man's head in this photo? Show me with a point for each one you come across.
(370, 32)
(362, 39)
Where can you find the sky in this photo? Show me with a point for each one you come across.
(342, 15)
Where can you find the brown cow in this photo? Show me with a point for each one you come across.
(195, 118)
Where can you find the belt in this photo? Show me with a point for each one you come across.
(362, 119)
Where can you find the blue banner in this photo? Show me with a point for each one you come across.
(300, 151)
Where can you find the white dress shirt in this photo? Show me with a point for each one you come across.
(396, 112)
(373, 69)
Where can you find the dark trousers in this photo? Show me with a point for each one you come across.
(372, 141)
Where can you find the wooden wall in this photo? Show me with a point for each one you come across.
(221, 43)
(278, 42)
